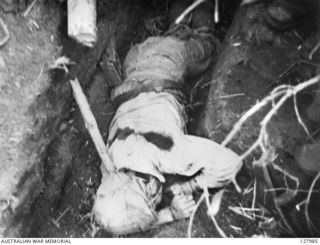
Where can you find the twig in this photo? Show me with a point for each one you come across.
(245, 2)
(306, 211)
(288, 189)
(268, 155)
(238, 211)
(248, 189)
(41, 72)
(314, 133)
(300, 119)
(292, 177)
(314, 50)
(250, 213)
(231, 95)
(235, 184)
(91, 124)
(221, 232)
(216, 11)
(29, 8)
(287, 70)
(214, 207)
(250, 150)
(251, 112)
(251, 209)
(236, 228)
(6, 37)
(56, 221)
(254, 195)
(193, 215)
(284, 92)
(309, 63)
(187, 11)
(300, 204)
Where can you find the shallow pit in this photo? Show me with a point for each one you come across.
(69, 169)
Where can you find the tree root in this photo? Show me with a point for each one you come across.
(281, 93)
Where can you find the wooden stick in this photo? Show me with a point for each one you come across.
(29, 8)
(91, 124)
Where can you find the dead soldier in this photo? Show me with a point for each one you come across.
(147, 135)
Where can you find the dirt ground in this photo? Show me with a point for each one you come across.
(254, 61)
(64, 176)
(24, 62)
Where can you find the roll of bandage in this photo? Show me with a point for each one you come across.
(82, 18)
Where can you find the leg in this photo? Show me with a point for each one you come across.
(199, 41)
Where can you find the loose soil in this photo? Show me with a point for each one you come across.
(70, 166)
(24, 62)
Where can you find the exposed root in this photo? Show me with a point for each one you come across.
(232, 95)
(246, 2)
(216, 11)
(193, 215)
(29, 8)
(314, 50)
(300, 119)
(6, 34)
(248, 189)
(253, 205)
(311, 227)
(254, 214)
(288, 189)
(188, 11)
(221, 232)
(286, 91)
(281, 93)
(236, 128)
(56, 221)
(286, 174)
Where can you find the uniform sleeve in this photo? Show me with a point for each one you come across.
(213, 164)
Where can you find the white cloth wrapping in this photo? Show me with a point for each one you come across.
(126, 204)
(161, 113)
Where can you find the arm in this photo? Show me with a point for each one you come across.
(186, 188)
(216, 165)
(181, 207)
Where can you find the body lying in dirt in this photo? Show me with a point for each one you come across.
(147, 135)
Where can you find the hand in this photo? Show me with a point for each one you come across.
(182, 206)
(186, 188)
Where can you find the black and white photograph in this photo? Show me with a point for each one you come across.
(159, 119)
